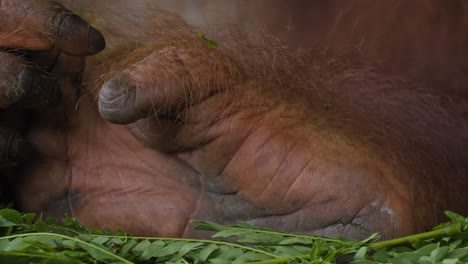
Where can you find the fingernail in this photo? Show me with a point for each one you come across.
(96, 41)
(20, 150)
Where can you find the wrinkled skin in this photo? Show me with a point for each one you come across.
(150, 134)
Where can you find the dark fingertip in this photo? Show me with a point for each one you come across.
(75, 37)
(96, 41)
(115, 90)
(117, 101)
(20, 150)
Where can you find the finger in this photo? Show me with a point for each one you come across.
(22, 85)
(42, 25)
(193, 128)
(164, 83)
(14, 149)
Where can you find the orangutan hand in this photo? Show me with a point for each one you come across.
(32, 37)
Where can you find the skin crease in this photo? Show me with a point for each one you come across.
(334, 146)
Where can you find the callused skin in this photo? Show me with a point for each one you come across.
(150, 135)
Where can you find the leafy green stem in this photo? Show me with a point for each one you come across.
(217, 242)
(448, 230)
(70, 238)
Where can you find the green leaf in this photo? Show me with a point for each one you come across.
(455, 218)
(361, 254)
(296, 240)
(85, 237)
(140, 247)
(228, 253)
(315, 251)
(100, 240)
(16, 244)
(170, 249)
(45, 242)
(5, 223)
(188, 247)
(208, 226)
(230, 233)
(220, 261)
(246, 225)
(29, 218)
(208, 41)
(250, 256)
(114, 242)
(460, 253)
(285, 251)
(205, 253)
(151, 251)
(10, 217)
(127, 247)
(99, 254)
(438, 254)
(69, 244)
(41, 226)
(450, 261)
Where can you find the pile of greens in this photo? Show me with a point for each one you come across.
(27, 238)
